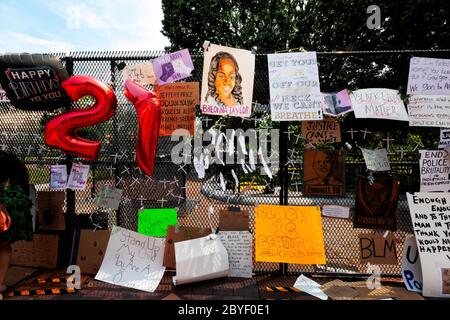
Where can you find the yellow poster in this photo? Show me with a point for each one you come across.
(290, 234)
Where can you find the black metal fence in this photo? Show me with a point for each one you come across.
(21, 132)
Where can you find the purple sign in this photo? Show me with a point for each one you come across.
(173, 66)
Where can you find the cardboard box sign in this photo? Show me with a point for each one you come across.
(177, 234)
(50, 210)
(89, 248)
(376, 249)
(42, 252)
(233, 220)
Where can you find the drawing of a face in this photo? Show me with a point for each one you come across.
(322, 164)
(225, 78)
(377, 196)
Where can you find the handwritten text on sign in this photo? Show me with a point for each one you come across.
(178, 101)
(141, 73)
(430, 215)
(411, 269)
(378, 104)
(154, 222)
(429, 111)
(133, 260)
(327, 130)
(434, 171)
(239, 248)
(376, 160)
(445, 138)
(429, 76)
(294, 87)
(291, 234)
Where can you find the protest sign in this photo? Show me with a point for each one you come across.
(178, 102)
(444, 138)
(332, 211)
(89, 249)
(58, 177)
(78, 176)
(239, 245)
(378, 104)
(411, 269)
(327, 130)
(429, 111)
(132, 260)
(337, 103)
(230, 90)
(294, 87)
(434, 171)
(291, 234)
(154, 222)
(108, 198)
(376, 160)
(141, 73)
(428, 76)
(376, 249)
(430, 215)
(173, 67)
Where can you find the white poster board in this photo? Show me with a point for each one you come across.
(430, 215)
(444, 138)
(133, 260)
(411, 269)
(141, 73)
(376, 160)
(434, 171)
(294, 87)
(429, 76)
(429, 111)
(378, 104)
(239, 245)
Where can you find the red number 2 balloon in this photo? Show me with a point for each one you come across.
(148, 110)
(60, 132)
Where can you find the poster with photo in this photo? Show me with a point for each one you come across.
(227, 83)
(323, 173)
(376, 203)
(336, 103)
(173, 67)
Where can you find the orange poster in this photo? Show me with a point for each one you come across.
(178, 102)
(290, 234)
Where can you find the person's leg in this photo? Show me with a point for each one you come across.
(5, 258)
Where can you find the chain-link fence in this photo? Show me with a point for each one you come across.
(172, 185)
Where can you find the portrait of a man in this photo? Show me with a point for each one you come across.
(324, 172)
(376, 203)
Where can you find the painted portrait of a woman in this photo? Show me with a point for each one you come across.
(224, 81)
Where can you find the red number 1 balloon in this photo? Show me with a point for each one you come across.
(60, 132)
(148, 110)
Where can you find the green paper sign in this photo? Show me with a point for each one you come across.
(154, 222)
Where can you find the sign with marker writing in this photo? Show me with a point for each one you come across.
(333, 211)
(178, 102)
(378, 104)
(376, 160)
(429, 111)
(291, 234)
(109, 198)
(154, 222)
(141, 73)
(294, 87)
(58, 177)
(430, 215)
(239, 248)
(78, 176)
(327, 130)
(411, 269)
(434, 171)
(132, 260)
(376, 249)
(444, 138)
(429, 76)
(173, 67)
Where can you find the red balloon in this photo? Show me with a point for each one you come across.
(61, 131)
(148, 110)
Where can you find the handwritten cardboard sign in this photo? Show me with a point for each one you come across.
(58, 177)
(78, 176)
(376, 160)
(232, 71)
(411, 269)
(376, 203)
(378, 104)
(90, 249)
(429, 76)
(430, 215)
(42, 252)
(177, 234)
(429, 111)
(154, 222)
(109, 198)
(50, 210)
(294, 87)
(323, 172)
(376, 249)
(291, 234)
(132, 260)
(333, 211)
(178, 102)
(141, 73)
(239, 245)
(173, 67)
(434, 171)
(327, 130)
(444, 138)
(336, 103)
(233, 220)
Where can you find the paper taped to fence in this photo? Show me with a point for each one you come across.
(291, 234)
(429, 111)
(239, 245)
(376, 160)
(444, 138)
(411, 268)
(434, 171)
(141, 73)
(428, 76)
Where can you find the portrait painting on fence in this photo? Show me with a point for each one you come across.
(376, 203)
(227, 83)
(323, 173)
